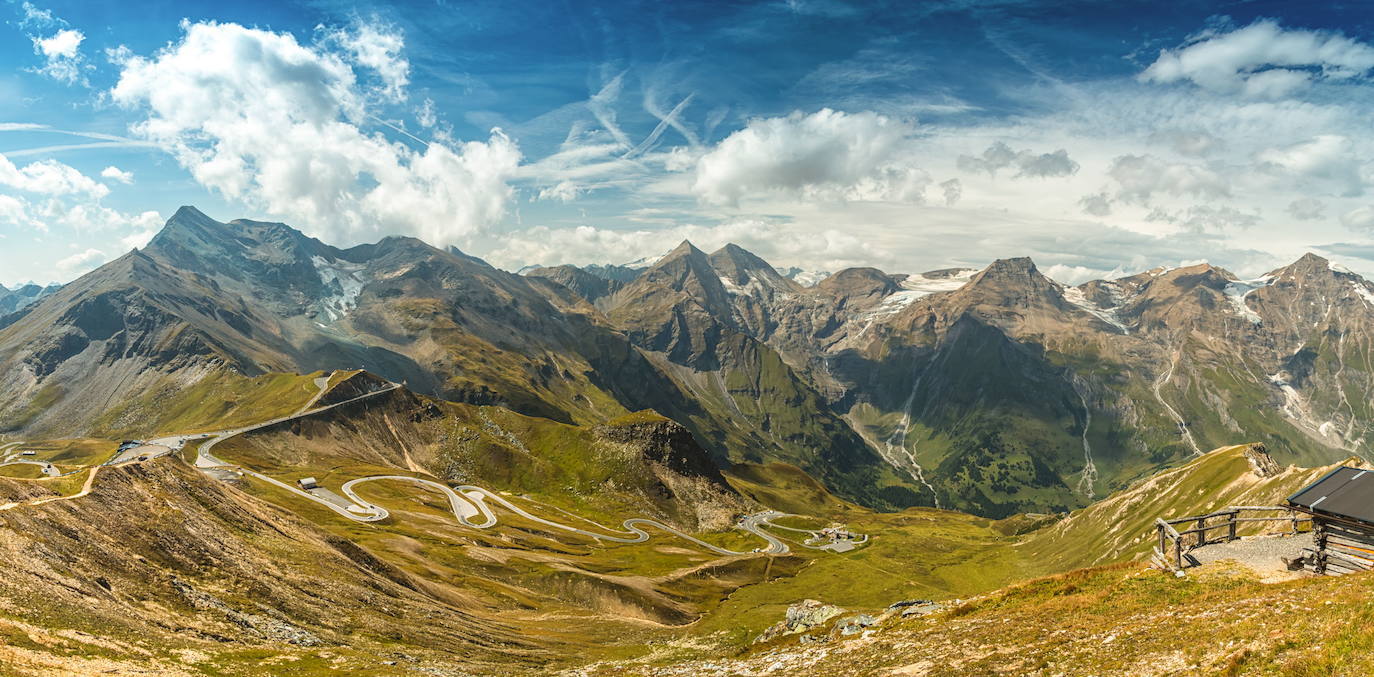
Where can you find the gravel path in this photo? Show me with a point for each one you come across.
(1261, 553)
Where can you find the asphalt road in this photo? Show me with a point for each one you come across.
(472, 502)
(468, 502)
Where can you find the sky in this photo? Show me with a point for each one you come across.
(1099, 138)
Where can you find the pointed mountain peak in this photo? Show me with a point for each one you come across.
(190, 214)
(739, 266)
(686, 248)
(1017, 271)
(739, 255)
(1308, 265)
(468, 257)
(1012, 282)
(188, 227)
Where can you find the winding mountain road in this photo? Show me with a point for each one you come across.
(470, 503)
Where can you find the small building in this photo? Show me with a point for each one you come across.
(28, 453)
(836, 533)
(308, 483)
(1341, 504)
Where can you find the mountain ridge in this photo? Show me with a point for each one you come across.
(898, 389)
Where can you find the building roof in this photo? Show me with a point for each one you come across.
(1344, 492)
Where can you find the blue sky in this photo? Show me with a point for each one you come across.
(1097, 137)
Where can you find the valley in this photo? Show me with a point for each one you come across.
(254, 451)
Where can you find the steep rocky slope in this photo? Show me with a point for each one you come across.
(206, 298)
(994, 391)
(1000, 390)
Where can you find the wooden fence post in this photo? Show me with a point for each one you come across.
(1319, 540)
(1231, 525)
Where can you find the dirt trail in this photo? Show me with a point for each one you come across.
(405, 451)
(85, 489)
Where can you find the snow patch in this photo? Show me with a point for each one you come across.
(757, 286)
(344, 281)
(805, 278)
(639, 264)
(1238, 290)
(918, 286)
(1364, 292)
(1076, 296)
(1338, 268)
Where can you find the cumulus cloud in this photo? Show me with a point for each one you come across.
(425, 114)
(116, 174)
(1076, 275)
(1359, 218)
(1139, 177)
(1000, 156)
(824, 156)
(563, 191)
(1192, 143)
(82, 261)
(1326, 157)
(61, 53)
(1307, 209)
(49, 177)
(1262, 60)
(1204, 218)
(1097, 204)
(276, 124)
(953, 190)
(780, 243)
(379, 48)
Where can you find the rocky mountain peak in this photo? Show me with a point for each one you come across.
(1308, 267)
(1014, 281)
(741, 266)
(681, 266)
(683, 249)
(859, 282)
(189, 226)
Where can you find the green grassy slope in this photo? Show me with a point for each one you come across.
(1119, 527)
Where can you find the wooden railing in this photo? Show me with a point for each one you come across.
(1171, 551)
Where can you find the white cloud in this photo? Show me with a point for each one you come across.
(1076, 275)
(378, 47)
(1097, 204)
(276, 124)
(953, 190)
(1193, 143)
(14, 212)
(1140, 177)
(81, 262)
(61, 52)
(1307, 209)
(780, 243)
(49, 177)
(425, 114)
(1326, 157)
(563, 191)
(1359, 218)
(116, 174)
(1000, 156)
(1203, 218)
(1262, 60)
(825, 156)
(35, 17)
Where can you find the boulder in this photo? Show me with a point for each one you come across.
(800, 617)
(855, 624)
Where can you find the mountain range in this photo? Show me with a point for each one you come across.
(995, 391)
